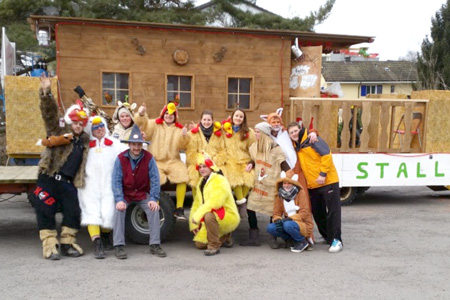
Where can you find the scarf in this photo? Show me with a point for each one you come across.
(288, 195)
(207, 132)
(236, 128)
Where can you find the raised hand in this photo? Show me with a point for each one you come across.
(142, 109)
(184, 130)
(192, 125)
(144, 136)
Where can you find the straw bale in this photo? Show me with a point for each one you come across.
(438, 123)
(24, 124)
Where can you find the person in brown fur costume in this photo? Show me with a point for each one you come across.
(61, 171)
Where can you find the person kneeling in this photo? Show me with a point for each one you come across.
(292, 220)
(214, 214)
(136, 179)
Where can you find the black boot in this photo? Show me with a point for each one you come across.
(69, 250)
(253, 238)
(99, 252)
(107, 240)
(273, 242)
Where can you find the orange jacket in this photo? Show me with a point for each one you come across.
(316, 159)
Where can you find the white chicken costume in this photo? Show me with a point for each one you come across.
(96, 197)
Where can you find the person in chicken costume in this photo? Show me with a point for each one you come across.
(214, 214)
(238, 139)
(205, 136)
(97, 204)
(167, 137)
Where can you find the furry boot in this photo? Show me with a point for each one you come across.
(50, 245)
(253, 238)
(69, 246)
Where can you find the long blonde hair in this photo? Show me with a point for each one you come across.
(264, 145)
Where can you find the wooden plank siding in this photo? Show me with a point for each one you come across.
(85, 51)
(377, 119)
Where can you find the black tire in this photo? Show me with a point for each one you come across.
(362, 189)
(439, 188)
(136, 226)
(348, 194)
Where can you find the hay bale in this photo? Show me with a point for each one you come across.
(24, 124)
(437, 133)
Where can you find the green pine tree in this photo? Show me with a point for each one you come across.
(14, 14)
(433, 63)
(268, 21)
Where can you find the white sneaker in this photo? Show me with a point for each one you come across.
(336, 246)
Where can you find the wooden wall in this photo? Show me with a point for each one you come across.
(84, 51)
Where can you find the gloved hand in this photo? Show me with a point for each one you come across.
(79, 91)
(286, 219)
(279, 225)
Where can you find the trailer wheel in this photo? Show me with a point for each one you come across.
(362, 189)
(348, 194)
(136, 225)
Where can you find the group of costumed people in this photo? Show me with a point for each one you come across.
(234, 172)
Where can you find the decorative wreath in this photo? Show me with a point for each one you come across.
(180, 57)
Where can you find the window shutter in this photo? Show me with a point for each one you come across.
(363, 90)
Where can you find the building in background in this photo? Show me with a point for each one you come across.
(360, 78)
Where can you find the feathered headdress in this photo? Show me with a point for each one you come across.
(204, 159)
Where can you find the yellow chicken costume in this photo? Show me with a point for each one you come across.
(214, 196)
(197, 143)
(166, 143)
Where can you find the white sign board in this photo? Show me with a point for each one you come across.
(393, 169)
(8, 56)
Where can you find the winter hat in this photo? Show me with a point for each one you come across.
(76, 113)
(264, 127)
(135, 136)
(204, 159)
(123, 107)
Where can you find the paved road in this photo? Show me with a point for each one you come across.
(396, 246)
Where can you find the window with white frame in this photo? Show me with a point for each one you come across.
(181, 86)
(239, 93)
(115, 87)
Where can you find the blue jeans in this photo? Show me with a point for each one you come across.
(291, 230)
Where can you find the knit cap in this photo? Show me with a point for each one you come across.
(264, 127)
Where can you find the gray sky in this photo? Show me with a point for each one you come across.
(399, 26)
